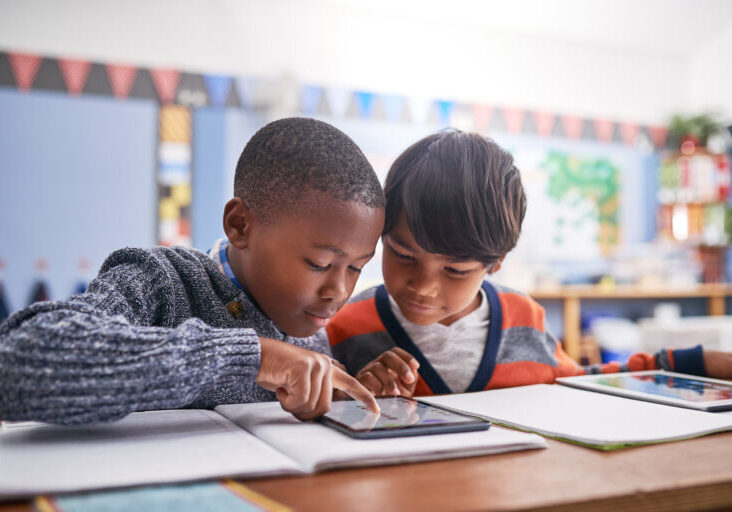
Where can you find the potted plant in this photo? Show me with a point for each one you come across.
(695, 129)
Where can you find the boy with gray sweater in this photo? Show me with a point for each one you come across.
(173, 327)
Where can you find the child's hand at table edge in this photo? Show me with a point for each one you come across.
(718, 364)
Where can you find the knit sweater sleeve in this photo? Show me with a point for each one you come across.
(113, 350)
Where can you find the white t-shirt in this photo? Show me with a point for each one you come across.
(455, 350)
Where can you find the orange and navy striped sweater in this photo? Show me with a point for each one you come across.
(518, 350)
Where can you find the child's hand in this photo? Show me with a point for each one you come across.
(718, 364)
(304, 380)
(392, 373)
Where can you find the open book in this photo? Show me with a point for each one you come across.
(587, 418)
(250, 440)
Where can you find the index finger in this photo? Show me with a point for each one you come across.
(406, 357)
(343, 381)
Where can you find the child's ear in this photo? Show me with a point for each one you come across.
(237, 222)
(495, 267)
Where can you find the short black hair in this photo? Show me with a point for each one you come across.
(288, 159)
(461, 193)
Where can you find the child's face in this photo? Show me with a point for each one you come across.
(429, 288)
(301, 268)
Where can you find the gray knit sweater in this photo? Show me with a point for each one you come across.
(157, 329)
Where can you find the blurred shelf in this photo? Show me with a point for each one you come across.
(572, 295)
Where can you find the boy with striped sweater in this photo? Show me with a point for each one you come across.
(455, 204)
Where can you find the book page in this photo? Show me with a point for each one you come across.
(596, 419)
(318, 447)
(143, 448)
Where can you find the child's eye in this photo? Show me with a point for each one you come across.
(355, 269)
(316, 267)
(457, 272)
(400, 255)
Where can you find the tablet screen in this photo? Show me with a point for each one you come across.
(396, 413)
(671, 386)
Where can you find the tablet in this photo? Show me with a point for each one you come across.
(660, 386)
(399, 417)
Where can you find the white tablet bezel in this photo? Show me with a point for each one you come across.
(587, 382)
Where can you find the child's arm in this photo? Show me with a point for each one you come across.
(98, 356)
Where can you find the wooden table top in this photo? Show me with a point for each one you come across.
(687, 475)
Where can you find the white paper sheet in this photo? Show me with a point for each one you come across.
(143, 448)
(591, 418)
(318, 447)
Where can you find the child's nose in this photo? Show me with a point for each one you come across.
(336, 288)
(423, 282)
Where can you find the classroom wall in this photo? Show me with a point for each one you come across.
(710, 76)
(357, 46)
(76, 181)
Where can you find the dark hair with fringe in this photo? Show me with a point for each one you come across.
(461, 193)
(289, 159)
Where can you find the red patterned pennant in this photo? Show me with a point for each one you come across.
(544, 123)
(482, 115)
(25, 67)
(658, 135)
(629, 132)
(121, 78)
(572, 126)
(75, 73)
(604, 129)
(166, 83)
(514, 119)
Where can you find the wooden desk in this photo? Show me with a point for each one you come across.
(715, 293)
(686, 475)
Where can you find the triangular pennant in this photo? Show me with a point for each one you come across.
(75, 73)
(365, 102)
(419, 109)
(166, 83)
(218, 87)
(192, 91)
(604, 129)
(444, 111)
(544, 122)
(658, 135)
(481, 117)
(514, 119)
(629, 132)
(310, 99)
(49, 77)
(338, 100)
(4, 308)
(393, 106)
(24, 66)
(121, 77)
(572, 126)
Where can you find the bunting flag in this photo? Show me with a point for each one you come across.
(25, 67)
(514, 119)
(544, 123)
(191, 90)
(310, 96)
(418, 109)
(365, 102)
(121, 78)
(604, 129)
(481, 117)
(572, 126)
(393, 107)
(339, 100)
(218, 87)
(166, 84)
(39, 288)
(75, 73)
(444, 111)
(629, 132)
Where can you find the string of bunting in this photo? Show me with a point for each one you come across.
(30, 72)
